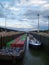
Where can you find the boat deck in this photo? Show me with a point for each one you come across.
(14, 48)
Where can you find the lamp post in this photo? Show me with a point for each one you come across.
(48, 23)
(5, 23)
(38, 22)
(4, 16)
(5, 27)
(1, 13)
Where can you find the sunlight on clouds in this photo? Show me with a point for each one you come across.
(15, 24)
(46, 6)
(19, 25)
(22, 26)
(37, 2)
(14, 8)
(32, 2)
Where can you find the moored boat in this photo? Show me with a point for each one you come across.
(14, 49)
(34, 43)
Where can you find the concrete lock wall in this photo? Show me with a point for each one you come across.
(43, 39)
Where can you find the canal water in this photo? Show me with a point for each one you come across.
(32, 57)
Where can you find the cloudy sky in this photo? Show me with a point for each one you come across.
(23, 14)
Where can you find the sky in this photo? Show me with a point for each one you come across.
(23, 14)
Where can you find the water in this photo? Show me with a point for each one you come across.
(32, 57)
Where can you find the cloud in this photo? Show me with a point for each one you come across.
(14, 9)
(38, 2)
(30, 2)
(24, 12)
(46, 6)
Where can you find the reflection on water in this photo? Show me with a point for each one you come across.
(32, 57)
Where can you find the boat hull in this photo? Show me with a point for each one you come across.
(34, 46)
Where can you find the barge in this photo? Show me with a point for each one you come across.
(14, 49)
